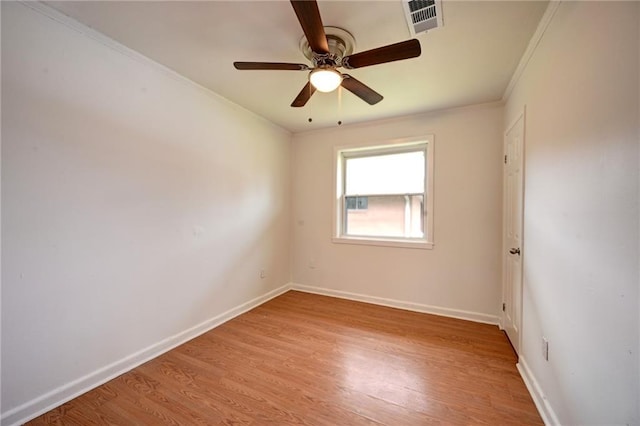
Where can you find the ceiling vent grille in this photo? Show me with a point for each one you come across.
(422, 15)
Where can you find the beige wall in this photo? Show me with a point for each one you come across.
(581, 226)
(136, 209)
(462, 273)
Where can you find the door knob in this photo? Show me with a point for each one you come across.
(515, 251)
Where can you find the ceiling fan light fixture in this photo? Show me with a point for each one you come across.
(325, 79)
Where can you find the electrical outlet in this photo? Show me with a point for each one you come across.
(262, 273)
(545, 349)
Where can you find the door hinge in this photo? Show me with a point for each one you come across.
(505, 159)
(504, 307)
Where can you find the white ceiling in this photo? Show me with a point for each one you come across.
(469, 60)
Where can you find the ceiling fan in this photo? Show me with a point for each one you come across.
(331, 51)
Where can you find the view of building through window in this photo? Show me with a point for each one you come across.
(384, 195)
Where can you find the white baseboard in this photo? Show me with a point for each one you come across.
(549, 416)
(409, 306)
(64, 393)
(501, 322)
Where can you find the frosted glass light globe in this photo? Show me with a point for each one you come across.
(325, 80)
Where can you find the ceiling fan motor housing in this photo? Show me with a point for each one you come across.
(341, 43)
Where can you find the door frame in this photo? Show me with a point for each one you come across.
(505, 246)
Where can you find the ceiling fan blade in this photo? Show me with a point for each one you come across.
(270, 66)
(311, 23)
(393, 52)
(361, 90)
(304, 96)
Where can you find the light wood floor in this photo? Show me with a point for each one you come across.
(315, 360)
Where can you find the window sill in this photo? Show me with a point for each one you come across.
(425, 245)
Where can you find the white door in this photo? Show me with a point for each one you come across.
(512, 233)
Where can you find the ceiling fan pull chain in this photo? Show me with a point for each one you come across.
(339, 105)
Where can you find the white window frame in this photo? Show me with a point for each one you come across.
(367, 148)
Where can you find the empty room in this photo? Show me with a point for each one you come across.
(398, 212)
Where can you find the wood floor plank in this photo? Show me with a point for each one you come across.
(313, 360)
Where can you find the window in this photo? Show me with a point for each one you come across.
(384, 194)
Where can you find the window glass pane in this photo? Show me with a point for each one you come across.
(385, 216)
(385, 174)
